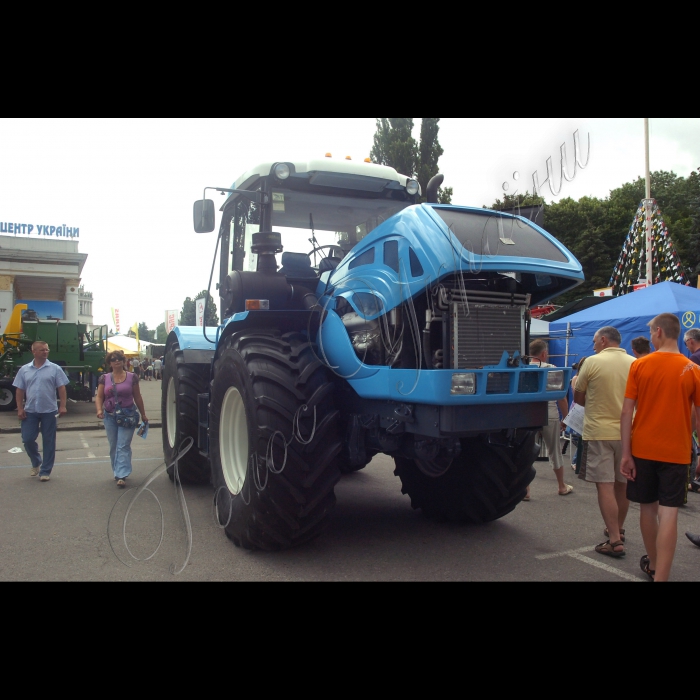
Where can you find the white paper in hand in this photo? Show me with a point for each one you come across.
(575, 418)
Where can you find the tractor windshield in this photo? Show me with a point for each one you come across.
(309, 221)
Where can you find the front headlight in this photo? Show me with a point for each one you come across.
(412, 187)
(281, 171)
(555, 380)
(463, 383)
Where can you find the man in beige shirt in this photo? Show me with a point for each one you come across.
(601, 389)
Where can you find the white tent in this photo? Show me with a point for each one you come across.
(129, 346)
(539, 328)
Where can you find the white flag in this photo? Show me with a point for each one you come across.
(170, 320)
(200, 311)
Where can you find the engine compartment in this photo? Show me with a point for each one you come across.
(463, 321)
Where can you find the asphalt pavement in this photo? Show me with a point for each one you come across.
(75, 528)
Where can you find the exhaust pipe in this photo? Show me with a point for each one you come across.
(433, 187)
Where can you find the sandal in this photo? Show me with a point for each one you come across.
(608, 548)
(644, 566)
(622, 533)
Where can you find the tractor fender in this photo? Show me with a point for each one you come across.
(197, 350)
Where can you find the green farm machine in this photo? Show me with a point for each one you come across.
(79, 352)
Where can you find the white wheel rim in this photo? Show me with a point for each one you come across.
(5, 396)
(171, 413)
(233, 440)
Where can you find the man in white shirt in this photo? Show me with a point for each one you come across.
(37, 382)
(539, 354)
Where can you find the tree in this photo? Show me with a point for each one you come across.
(694, 234)
(595, 230)
(429, 153)
(188, 315)
(395, 146)
(161, 335)
(145, 334)
(517, 201)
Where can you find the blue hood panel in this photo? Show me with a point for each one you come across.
(439, 253)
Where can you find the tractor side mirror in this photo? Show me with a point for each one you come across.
(203, 215)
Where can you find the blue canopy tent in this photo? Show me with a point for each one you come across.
(572, 336)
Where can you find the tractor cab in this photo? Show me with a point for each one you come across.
(321, 209)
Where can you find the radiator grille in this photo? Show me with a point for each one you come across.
(497, 383)
(484, 324)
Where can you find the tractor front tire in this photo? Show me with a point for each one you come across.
(180, 386)
(273, 490)
(484, 483)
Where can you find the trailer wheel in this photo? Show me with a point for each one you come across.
(484, 483)
(180, 385)
(8, 400)
(262, 380)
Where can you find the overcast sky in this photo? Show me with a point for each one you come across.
(129, 185)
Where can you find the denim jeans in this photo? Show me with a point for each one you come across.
(30, 431)
(119, 446)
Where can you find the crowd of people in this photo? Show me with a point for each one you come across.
(147, 369)
(639, 441)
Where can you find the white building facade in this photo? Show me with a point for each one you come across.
(44, 273)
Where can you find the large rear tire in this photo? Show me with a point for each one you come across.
(180, 386)
(262, 381)
(8, 401)
(484, 483)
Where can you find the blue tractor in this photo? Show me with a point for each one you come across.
(359, 321)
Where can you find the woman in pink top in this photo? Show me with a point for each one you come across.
(122, 386)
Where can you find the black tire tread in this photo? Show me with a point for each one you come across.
(190, 380)
(485, 483)
(284, 374)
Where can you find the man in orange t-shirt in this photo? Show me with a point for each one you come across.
(664, 387)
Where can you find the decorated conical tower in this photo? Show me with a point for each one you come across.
(631, 265)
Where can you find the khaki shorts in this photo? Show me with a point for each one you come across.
(600, 461)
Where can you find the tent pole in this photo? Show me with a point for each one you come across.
(568, 333)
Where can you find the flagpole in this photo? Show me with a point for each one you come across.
(646, 158)
(648, 203)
